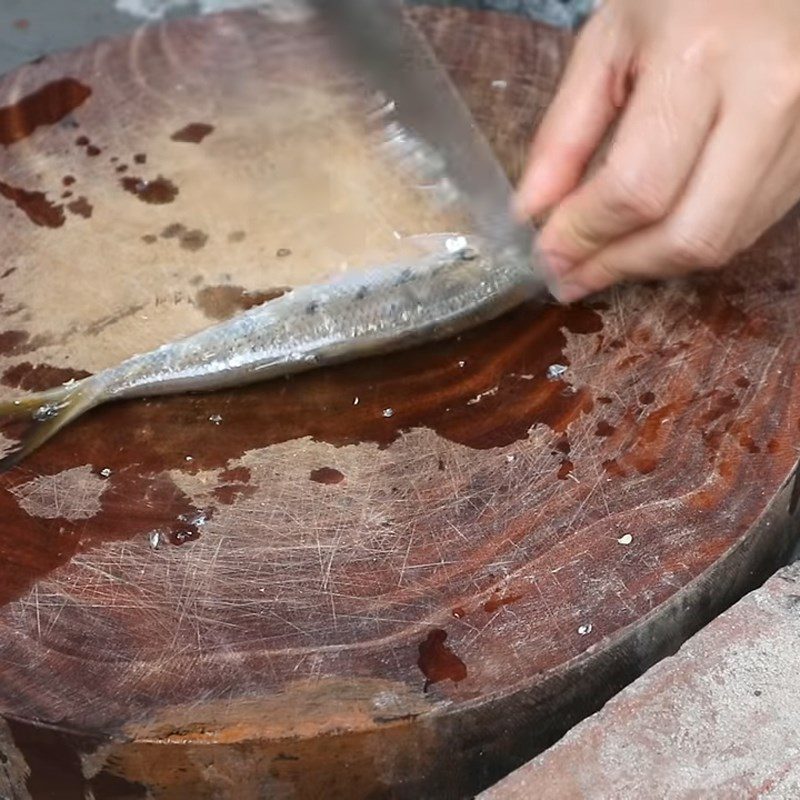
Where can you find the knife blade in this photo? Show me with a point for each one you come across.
(379, 38)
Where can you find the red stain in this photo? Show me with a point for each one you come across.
(11, 340)
(327, 475)
(222, 302)
(604, 428)
(159, 191)
(497, 601)
(562, 445)
(35, 205)
(613, 468)
(726, 404)
(458, 612)
(82, 207)
(235, 484)
(438, 662)
(42, 376)
(194, 133)
(565, 470)
(46, 106)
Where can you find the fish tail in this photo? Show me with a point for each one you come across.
(48, 412)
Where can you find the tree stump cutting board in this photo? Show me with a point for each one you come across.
(399, 577)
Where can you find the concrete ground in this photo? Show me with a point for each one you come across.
(716, 721)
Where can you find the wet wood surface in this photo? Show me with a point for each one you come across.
(400, 577)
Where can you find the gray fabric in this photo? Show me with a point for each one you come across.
(563, 13)
(29, 28)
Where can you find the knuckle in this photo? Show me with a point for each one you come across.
(693, 249)
(580, 232)
(779, 81)
(783, 90)
(698, 53)
(633, 197)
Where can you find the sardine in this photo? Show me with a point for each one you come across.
(381, 310)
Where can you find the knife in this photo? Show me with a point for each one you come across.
(400, 64)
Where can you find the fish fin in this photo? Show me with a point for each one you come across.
(48, 411)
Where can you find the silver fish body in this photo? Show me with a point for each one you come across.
(383, 310)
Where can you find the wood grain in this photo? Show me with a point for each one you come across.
(399, 577)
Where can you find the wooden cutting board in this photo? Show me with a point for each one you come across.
(400, 577)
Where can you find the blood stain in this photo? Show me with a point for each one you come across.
(140, 158)
(194, 240)
(222, 302)
(82, 207)
(604, 428)
(613, 468)
(11, 340)
(193, 133)
(326, 475)
(748, 443)
(68, 180)
(646, 398)
(35, 205)
(236, 484)
(159, 191)
(172, 231)
(565, 470)
(562, 445)
(497, 601)
(40, 377)
(190, 240)
(237, 475)
(438, 662)
(458, 612)
(46, 106)
(187, 528)
(725, 405)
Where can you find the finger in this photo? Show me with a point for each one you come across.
(658, 144)
(781, 191)
(576, 120)
(704, 229)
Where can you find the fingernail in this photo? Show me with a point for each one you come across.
(570, 292)
(556, 264)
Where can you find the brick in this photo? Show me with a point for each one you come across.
(717, 720)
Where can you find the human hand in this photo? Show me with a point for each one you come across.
(706, 155)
